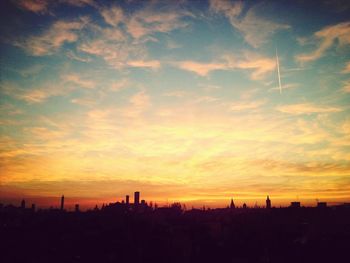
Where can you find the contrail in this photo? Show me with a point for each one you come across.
(278, 72)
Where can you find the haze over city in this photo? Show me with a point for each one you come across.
(186, 101)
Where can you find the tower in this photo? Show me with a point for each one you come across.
(268, 202)
(77, 209)
(23, 204)
(62, 202)
(232, 204)
(136, 198)
(127, 200)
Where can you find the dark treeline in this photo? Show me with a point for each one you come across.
(121, 233)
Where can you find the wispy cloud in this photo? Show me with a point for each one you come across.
(286, 86)
(78, 80)
(246, 105)
(326, 39)
(36, 6)
(32, 95)
(257, 65)
(255, 29)
(306, 108)
(153, 64)
(119, 85)
(260, 66)
(346, 70)
(147, 22)
(45, 6)
(52, 39)
(346, 87)
(112, 15)
(70, 54)
(202, 69)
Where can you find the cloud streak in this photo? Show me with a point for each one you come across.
(255, 30)
(325, 39)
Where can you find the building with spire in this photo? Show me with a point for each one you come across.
(62, 202)
(268, 202)
(23, 204)
(232, 204)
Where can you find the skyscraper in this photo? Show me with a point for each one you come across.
(232, 204)
(268, 202)
(23, 204)
(62, 202)
(127, 200)
(136, 198)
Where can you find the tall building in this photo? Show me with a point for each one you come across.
(136, 198)
(62, 202)
(295, 204)
(268, 202)
(23, 204)
(232, 204)
(77, 209)
(127, 200)
(321, 204)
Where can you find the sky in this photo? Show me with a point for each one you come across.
(177, 99)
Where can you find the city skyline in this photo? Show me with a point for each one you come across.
(186, 101)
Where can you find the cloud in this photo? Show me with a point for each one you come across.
(176, 93)
(346, 87)
(51, 40)
(36, 6)
(202, 69)
(119, 85)
(153, 64)
(32, 95)
(76, 79)
(256, 30)
(138, 104)
(247, 105)
(147, 22)
(346, 70)
(70, 54)
(284, 87)
(258, 66)
(326, 39)
(79, 3)
(306, 108)
(112, 15)
(31, 71)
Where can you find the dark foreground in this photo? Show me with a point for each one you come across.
(170, 235)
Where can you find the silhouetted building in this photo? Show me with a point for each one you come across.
(23, 204)
(295, 204)
(268, 202)
(77, 208)
(136, 198)
(321, 204)
(232, 204)
(62, 202)
(33, 207)
(127, 200)
(244, 206)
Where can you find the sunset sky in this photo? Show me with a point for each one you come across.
(177, 99)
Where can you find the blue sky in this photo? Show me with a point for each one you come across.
(179, 99)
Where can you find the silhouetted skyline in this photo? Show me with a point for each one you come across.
(188, 101)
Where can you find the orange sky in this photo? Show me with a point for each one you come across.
(179, 100)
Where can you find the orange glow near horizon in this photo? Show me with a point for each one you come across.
(180, 101)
